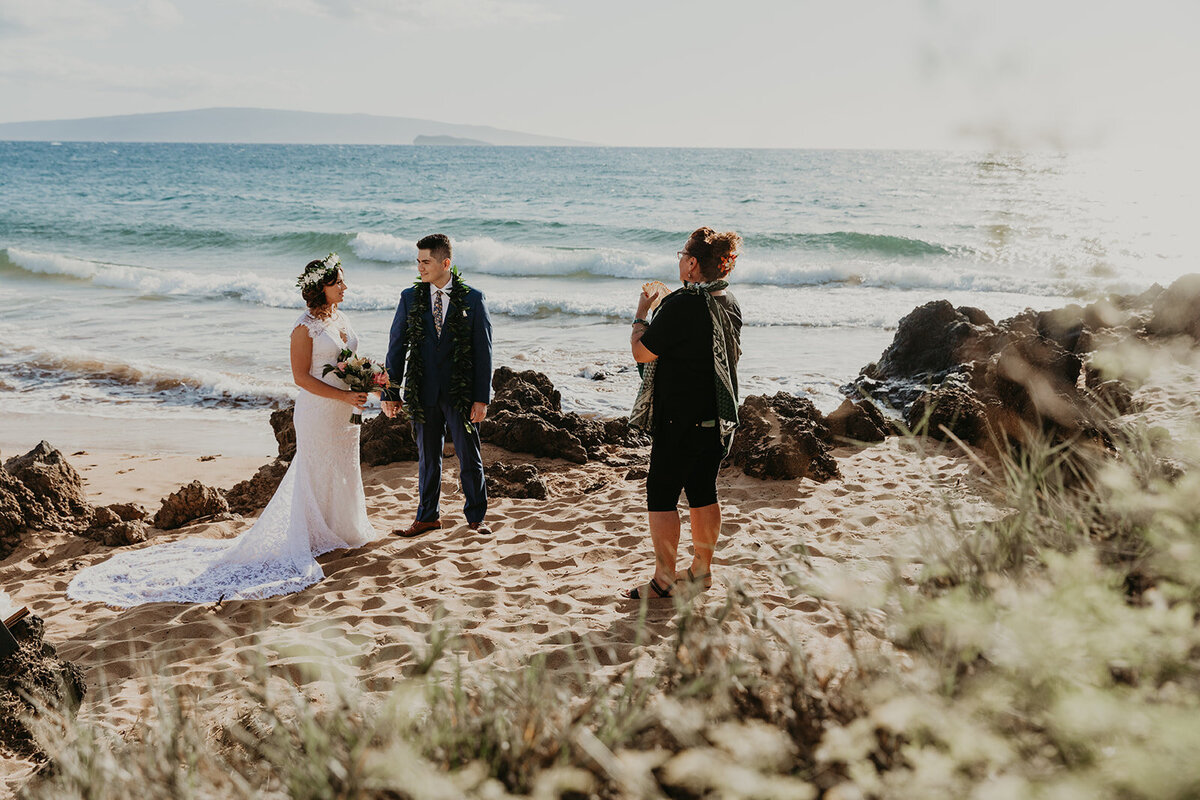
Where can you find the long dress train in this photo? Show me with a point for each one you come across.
(319, 506)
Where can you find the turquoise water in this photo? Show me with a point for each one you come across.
(152, 281)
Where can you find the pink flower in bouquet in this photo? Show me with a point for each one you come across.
(360, 374)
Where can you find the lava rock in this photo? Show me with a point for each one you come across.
(1176, 310)
(192, 502)
(385, 441)
(122, 533)
(783, 437)
(251, 495)
(526, 416)
(950, 407)
(515, 480)
(1111, 398)
(58, 500)
(15, 501)
(128, 512)
(285, 432)
(527, 433)
(860, 421)
(118, 525)
(933, 339)
(32, 679)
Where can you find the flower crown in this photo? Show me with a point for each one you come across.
(318, 272)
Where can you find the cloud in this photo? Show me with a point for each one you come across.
(82, 19)
(425, 15)
(36, 63)
(160, 13)
(22, 18)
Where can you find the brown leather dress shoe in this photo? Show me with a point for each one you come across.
(480, 527)
(417, 528)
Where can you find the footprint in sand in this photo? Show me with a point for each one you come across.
(831, 630)
(392, 652)
(516, 560)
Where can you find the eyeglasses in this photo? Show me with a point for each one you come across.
(682, 253)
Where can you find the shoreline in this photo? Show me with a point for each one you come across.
(70, 433)
(143, 463)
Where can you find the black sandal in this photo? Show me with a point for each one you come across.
(702, 582)
(635, 593)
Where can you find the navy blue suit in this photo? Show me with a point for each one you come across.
(435, 399)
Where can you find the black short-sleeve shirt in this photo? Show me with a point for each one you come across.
(681, 336)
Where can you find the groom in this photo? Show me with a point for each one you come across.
(441, 343)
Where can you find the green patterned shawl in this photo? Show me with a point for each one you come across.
(726, 352)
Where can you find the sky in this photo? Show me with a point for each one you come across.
(1065, 74)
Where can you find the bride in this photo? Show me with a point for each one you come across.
(319, 506)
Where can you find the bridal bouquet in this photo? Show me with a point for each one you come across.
(360, 375)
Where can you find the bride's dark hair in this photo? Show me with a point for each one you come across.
(314, 293)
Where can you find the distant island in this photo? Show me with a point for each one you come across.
(449, 140)
(270, 126)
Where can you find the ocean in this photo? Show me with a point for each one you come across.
(151, 286)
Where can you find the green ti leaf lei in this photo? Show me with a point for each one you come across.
(458, 328)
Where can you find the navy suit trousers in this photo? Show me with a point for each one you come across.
(431, 436)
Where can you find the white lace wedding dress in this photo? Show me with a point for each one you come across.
(319, 506)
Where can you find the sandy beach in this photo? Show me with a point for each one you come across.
(551, 575)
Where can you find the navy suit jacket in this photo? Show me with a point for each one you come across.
(435, 351)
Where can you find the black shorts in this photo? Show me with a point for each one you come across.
(684, 457)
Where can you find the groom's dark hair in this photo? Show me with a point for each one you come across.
(438, 245)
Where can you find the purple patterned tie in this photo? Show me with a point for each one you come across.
(437, 312)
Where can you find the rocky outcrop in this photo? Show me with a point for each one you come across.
(783, 437)
(526, 416)
(860, 421)
(121, 534)
(33, 679)
(933, 340)
(53, 498)
(1110, 398)
(285, 432)
(118, 524)
(1176, 309)
(525, 433)
(385, 441)
(951, 408)
(251, 495)
(192, 502)
(952, 370)
(515, 480)
(618, 432)
(15, 498)
(128, 512)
